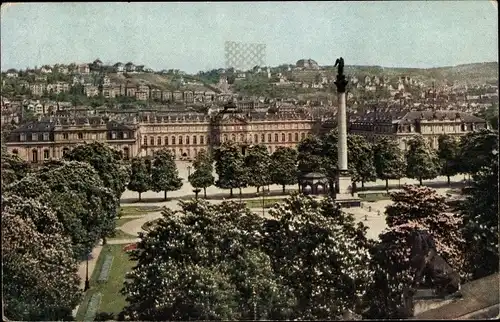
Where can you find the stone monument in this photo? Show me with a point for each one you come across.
(343, 180)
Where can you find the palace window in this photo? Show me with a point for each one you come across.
(34, 137)
(145, 140)
(180, 140)
(22, 137)
(158, 140)
(187, 139)
(45, 136)
(126, 153)
(152, 141)
(80, 136)
(194, 139)
(269, 138)
(263, 138)
(283, 137)
(165, 141)
(173, 140)
(46, 154)
(255, 139)
(202, 139)
(302, 135)
(113, 135)
(65, 136)
(233, 137)
(289, 137)
(242, 138)
(125, 135)
(296, 137)
(34, 156)
(64, 151)
(276, 137)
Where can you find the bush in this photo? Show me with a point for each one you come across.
(106, 267)
(94, 303)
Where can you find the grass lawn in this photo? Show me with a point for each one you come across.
(120, 234)
(121, 221)
(372, 197)
(138, 210)
(112, 301)
(257, 203)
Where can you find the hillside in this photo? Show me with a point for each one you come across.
(162, 82)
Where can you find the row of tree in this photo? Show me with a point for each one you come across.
(367, 162)
(52, 217)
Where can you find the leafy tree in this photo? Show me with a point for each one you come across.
(140, 179)
(164, 173)
(480, 213)
(422, 162)
(207, 265)
(360, 159)
(106, 161)
(35, 249)
(202, 176)
(257, 162)
(86, 208)
(413, 208)
(448, 154)
(310, 155)
(283, 166)
(389, 161)
(229, 166)
(475, 150)
(320, 254)
(13, 168)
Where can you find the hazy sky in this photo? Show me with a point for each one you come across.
(190, 36)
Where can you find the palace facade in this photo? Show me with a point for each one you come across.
(185, 134)
(404, 124)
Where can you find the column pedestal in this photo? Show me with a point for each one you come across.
(344, 187)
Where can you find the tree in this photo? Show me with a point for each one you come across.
(35, 249)
(448, 154)
(229, 166)
(140, 179)
(283, 166)
(164, 173)
(13, 168)
(480, 215)
(202, 176)
(310, 155)
(422, 162)
(389, 161)
(207, 265)
(360, 159)
(412, 209)
(475, 150)
(257, 162)
(320, 254)
(106, 161)
(86, 208)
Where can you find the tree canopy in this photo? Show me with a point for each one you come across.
(283, 166)
(257, 161)
(422, 162)
(388, 160)
(164, 173)
(230, 167)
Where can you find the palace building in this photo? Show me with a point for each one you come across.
(185, 134)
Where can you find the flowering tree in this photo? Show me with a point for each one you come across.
(40, 280)
(414, 208)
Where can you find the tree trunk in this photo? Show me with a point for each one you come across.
(231, 193)
(205, 193)
(354, 187)
(363, 184)
(283, 188)
(140, 193)
(258, 188)
(420, 179)
(449, 182)
(165, 195)
(240, 192)
(104, 241)
(387, 185)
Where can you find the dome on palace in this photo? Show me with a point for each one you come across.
(307, 64)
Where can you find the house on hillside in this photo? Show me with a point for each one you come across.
(46, 69)
(139, 68)
(83, 69)
(129, 67)
(12, 73)
(97, 63)
(119, 67)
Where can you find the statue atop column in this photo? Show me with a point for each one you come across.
(341, 81)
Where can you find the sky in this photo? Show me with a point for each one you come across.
(190, 36)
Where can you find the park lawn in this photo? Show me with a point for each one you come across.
(121, 221)
(257, 203)
(138, 210)
(372, 197)
(112, 301)
(120, 234)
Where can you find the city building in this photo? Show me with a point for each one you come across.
(404, 124)
(185, 134)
